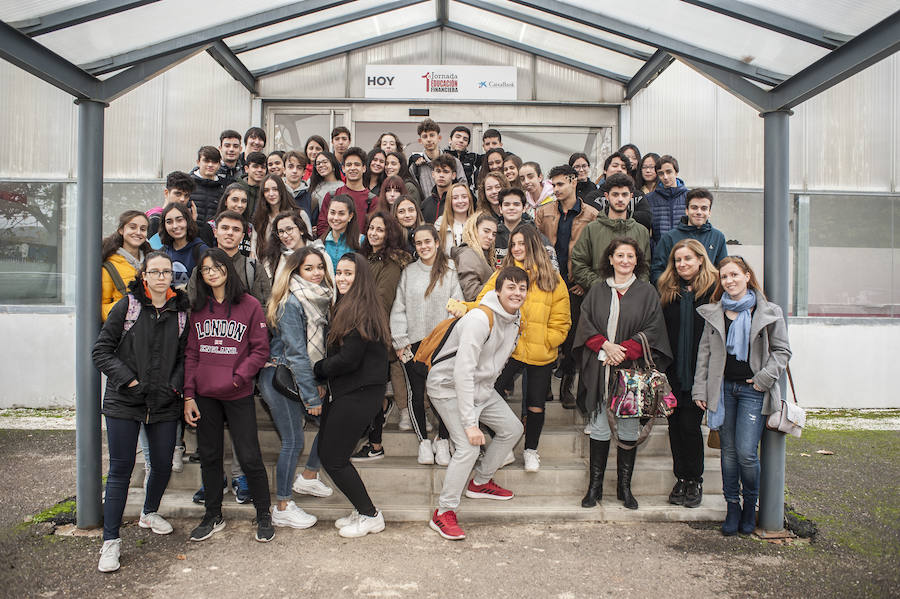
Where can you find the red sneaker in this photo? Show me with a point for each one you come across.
(445, 524)
(489, 490)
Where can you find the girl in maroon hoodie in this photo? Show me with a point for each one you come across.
(228, 343)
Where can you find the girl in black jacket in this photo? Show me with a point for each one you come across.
(141, 351)
(356, 368)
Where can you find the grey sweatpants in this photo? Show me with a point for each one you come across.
(507, 431)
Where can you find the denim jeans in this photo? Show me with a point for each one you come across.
(288, 417)
(122, 436)
(739, 437)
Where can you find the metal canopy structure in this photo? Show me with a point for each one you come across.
(771, 55)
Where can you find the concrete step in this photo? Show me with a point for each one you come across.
(394, 476)
(419, 507)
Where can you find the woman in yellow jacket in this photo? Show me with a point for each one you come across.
(546, 322)
(123, 253)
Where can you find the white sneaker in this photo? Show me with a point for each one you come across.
(426, 454)
(346, 520)
(311, 486)
(292, 516)
(404, 424)
(178, 459)
(109, 555)
(362, 526)
(587, 428)
(441, 452)
(532, 460)
(155, 522)
(509, 459)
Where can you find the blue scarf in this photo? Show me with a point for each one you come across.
(738, 341)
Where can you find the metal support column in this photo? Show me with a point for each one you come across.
(801, 256)
(89, 224)
(776, 265)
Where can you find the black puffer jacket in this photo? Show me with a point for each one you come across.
(151, 352)
(206, 196)
(354, 364)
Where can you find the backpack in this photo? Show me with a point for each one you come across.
(110, 269)
(431, 345)
(134, 311)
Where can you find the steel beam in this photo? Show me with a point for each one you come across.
(122, 83)
(231, 63)
(32, 57)
(652, 69)
(210, 34)
(372, 41)
(736, 85)
(89, 224)
(633, 32)
(76, 15)
(776, 269)
(774, 21)
(442, 12)
(557, 28)
(322, 25)
(502, 41)
(864, 50)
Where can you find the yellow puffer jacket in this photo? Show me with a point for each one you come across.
(545, 321)
(109, 295)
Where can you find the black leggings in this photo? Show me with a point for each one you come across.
(685, 438)
(344, 421)
(416, 375)
(536, 390)
(122, 436)
(241, 417)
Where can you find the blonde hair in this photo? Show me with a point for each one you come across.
(669, 283)
(537, 262)
(281, 286)
(470, 235)
(448, 218)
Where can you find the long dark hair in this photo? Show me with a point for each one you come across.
(221, 207)
(234, 288)
(632, 171)
(319, 140)
(640, 264)
(485, 169)
(315, 179)
(261, 216)
(394, 247)
(379, 178)
(111, 243)
(351, 235)
(191, 229)
(640, 181)
(392, 182)
(353, 311)
(271, 251)
(441, 264)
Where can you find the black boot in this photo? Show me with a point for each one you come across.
(566, 397)
(676, 497)
(732, 518)
(748, 518)
(599, 454)
(693, 493)
(625, 463)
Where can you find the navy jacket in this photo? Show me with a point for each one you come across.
(711, 238)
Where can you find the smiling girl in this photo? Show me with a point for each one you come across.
(274, 198)
(450, 224)
(122, 255)
(178, 236)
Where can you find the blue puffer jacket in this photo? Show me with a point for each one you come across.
(667, 205)
(712, 240)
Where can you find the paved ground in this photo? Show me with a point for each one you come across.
(851, 495)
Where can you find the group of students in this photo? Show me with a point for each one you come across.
(337, 267)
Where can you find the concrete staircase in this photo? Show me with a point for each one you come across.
(407, 491)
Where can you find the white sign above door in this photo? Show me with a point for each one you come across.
(440, 82)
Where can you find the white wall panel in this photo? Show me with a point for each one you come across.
(323, 79)
(676, 115)
(201, 100)
(424, 48)
(133, 133)
(739, 143)
(561, 83)
(37, 121)
(460, 48)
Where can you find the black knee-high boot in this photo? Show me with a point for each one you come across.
(625, 467)
(599, 454)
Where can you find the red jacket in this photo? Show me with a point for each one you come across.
(226, 347)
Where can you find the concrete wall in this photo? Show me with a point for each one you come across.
(38, 370)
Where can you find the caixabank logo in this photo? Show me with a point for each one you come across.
(441, 83)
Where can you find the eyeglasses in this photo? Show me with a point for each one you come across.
(286, 231)
(159, 274)
(205, 270)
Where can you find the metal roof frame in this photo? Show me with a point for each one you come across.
(76, 16)
(223, 55)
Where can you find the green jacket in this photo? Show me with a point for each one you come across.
(587, 255)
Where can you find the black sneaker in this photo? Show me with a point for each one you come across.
(693, 493)
(676, 497)
(367, 453)
(210, 525)
(199, 496)
(265, 532)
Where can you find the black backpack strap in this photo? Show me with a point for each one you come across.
(115, 276)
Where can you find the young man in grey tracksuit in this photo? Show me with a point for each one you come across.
(461, 388)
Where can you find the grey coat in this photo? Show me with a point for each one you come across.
(769, 353)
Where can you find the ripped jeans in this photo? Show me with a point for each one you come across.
(739, 436)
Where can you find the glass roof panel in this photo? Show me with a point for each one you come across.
(849, 17)
(544, 39)
(20, 10)
(714, 32)
(147, 25)
(341, 35)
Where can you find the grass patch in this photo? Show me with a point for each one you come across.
(37, 412)
(872, 414)
(64, 511)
